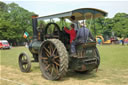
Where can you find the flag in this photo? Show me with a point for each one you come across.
(25, 35)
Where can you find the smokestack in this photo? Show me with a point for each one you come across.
(34, 25)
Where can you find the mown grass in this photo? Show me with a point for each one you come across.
(113, 67)
(112, 56)
(10, 57)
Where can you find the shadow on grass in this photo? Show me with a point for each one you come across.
(35, 68)
(79, 76)
(70, 74)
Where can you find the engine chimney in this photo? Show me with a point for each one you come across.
(34, 25)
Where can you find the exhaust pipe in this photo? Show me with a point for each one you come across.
(34, 25)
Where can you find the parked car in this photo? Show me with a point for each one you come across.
(4, 44)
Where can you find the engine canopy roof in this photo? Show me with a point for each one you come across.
(80, 14)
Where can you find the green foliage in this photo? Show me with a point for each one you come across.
(3, 7)
(106, 26)
(121, 24)
(63, 23)
(41, 24)
(15, 20)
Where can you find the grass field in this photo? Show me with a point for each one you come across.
(113, 69)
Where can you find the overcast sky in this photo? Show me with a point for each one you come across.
(47, 7)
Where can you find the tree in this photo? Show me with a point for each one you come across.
(20, 18)
(109, 26)
(121, 24)
(15, 20)
(3, 7)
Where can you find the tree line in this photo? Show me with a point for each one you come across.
(15, 20)
(110, 27)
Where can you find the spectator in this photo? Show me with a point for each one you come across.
(122, 41)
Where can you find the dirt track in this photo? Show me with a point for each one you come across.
(11, 76)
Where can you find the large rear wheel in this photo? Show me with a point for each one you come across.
(53, 59)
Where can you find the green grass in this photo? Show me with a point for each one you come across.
(114, 64)
(113, 67)
(112, 56)
(10, 57)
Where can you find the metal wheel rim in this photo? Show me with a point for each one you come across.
(24, 63)
(50, 60)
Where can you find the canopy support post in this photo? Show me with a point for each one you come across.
(90, 22)
(94, 27)
(94, 24)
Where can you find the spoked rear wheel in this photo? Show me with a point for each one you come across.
(24, 62)
(53, 59)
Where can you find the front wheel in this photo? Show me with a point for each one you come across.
(24, 62)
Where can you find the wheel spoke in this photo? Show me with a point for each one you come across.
(24, 62)
(56, 63)
(54, 50)
(52, 69)
(46, 62)
(47, 54)
(44, 58)
(47, 51)
(57, 70)
(51, 48)
(56, 57)
(46, 68)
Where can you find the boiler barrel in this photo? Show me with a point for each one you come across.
(34, 47)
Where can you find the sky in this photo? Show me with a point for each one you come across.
(48, 7)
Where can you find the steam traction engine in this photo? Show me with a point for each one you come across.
(50, 47)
